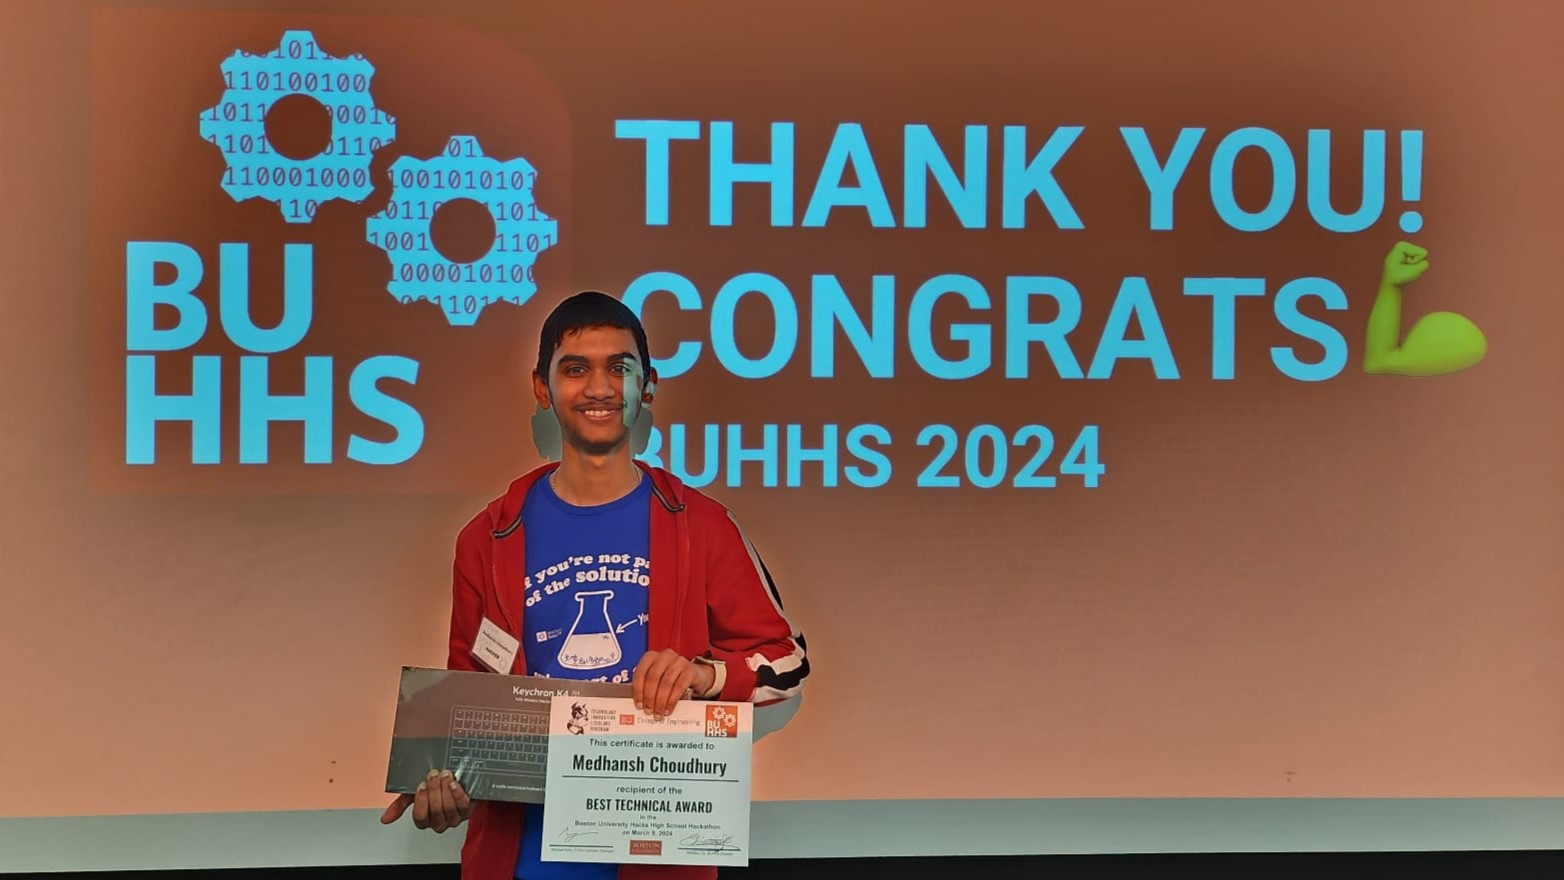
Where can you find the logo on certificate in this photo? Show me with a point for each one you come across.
(646, 847)
(626, 720)
(722, 721)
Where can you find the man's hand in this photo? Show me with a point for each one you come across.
(1405, 264)
(663, 677)
(440, 803)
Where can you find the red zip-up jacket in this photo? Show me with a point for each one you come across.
(710, 595)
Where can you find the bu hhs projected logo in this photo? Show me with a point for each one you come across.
(164, 276)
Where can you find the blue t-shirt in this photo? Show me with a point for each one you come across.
(586, 610)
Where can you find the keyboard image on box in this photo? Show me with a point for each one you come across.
(501, 741)
(490, 730)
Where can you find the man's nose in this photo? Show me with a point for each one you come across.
(599, 385)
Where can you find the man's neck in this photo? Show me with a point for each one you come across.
(586, 480)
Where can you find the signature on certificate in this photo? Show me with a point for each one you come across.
(697, 843)
(566, 835)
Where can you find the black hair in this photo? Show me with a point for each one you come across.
(589, 308)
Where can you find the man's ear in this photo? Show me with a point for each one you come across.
(540, 391)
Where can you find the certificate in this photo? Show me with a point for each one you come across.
(627, 788)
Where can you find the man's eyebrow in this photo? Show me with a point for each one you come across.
(582, 359)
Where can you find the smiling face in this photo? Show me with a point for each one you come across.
(596, 387)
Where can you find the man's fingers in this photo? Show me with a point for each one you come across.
(681, 686)
(665, 687)
(440, 807)
(421, 806)
(396, 809)
(646, 686)
(448, 786)
(672, 686)
(648, 678)
(436, 799)
(638, 679)
(661, 680)
(462, 801)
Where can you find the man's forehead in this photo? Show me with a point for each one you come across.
(594, 343)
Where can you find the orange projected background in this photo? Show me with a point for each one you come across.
(1291, 578)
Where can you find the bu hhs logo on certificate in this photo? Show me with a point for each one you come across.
(722, 721)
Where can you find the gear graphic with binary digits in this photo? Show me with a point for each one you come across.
(237, 126)
(420, 187)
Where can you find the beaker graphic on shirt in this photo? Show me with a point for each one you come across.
(591, 643)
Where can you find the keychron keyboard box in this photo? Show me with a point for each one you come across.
(491, 731)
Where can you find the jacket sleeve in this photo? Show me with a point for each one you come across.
(467, 596)
(760, 655)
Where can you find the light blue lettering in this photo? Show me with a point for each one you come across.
(849, 147)
(857, 444)
(1162, 178)
(143, 294)
(920, 328)
(784, 310)
(1284, 182)
(689, 300)
(202, 408)
(657, 133)
(1020, 331)
(1023, 178)
(967, 195)
(1373, 183)
(798, 453)
(1134, 300)
(1224, 293)
(766, 455)
(258, 408)
(725, 173)
(298, 297)
(364, 391)
(831, 308)
(679, 454)
(1287, 314)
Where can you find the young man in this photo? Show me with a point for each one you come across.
(691, 611)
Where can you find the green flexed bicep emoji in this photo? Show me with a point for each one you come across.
(1438, 344)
